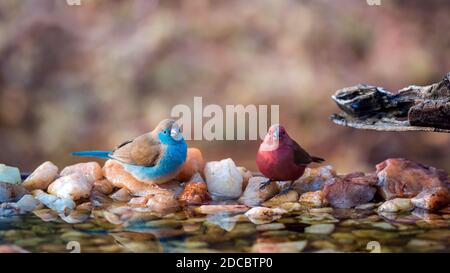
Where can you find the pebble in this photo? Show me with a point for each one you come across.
(46, 215)
(320, 210)
(271, 226)
(120, 178)
(73, 186)
(432, 199)
(194, 164)
(122, 195)
(383, 225)
(103, 186)
(60, 205)
(45, 174)
(222, 220)
(279, 247)
(277, 200)
(77, 216)
(10, 174)
(223, 178)
(313, 179)
(263, 215)
(27, 203)
(11, 192)
(290, 206)
(396, 205)
(253, 195)
(138, 201)
(421, 245)
(315, 199)
(12, 249)
(213, 209)
(246, 175)
(367, 206)
(91, 170)
(320, 229)
(194, 193)
(163, 202)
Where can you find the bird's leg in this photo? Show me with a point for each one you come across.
(265, 184)
(287, 189)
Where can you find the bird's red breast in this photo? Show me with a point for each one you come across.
(280, 158)
(279, 164)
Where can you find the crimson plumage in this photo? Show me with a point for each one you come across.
(280, 158)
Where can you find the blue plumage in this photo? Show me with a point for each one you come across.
(170, 162)
(101, 154)
(155, 157)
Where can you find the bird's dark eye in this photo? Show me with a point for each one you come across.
(165, 132)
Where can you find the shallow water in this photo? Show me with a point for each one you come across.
(352, 231)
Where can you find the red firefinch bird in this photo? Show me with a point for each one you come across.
(280, 158)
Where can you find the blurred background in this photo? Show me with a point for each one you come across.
(91, 76)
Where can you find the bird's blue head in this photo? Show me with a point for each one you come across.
(169, 132)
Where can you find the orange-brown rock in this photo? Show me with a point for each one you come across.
(194, 164)
(402, 178)
(103, 186)
(91, 170)
(116, 174)
(195, 193)
(432, 199)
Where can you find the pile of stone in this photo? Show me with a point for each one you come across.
(218, 187)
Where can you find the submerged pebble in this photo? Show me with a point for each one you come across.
(396, 205)
(279, 247)
(320, 229)
(12, 249)
(213, 209)
(262, 215)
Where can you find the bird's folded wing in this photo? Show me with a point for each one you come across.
(144, 150)
(301, 157)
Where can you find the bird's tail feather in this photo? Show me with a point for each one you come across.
(101, 154)
(317, 159)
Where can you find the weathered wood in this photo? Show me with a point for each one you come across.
(374, 108)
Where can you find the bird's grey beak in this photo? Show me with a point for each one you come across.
(276, 134)
(175, 132)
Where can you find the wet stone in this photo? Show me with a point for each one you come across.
(320, 229)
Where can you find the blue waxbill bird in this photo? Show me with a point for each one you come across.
(153, 157)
